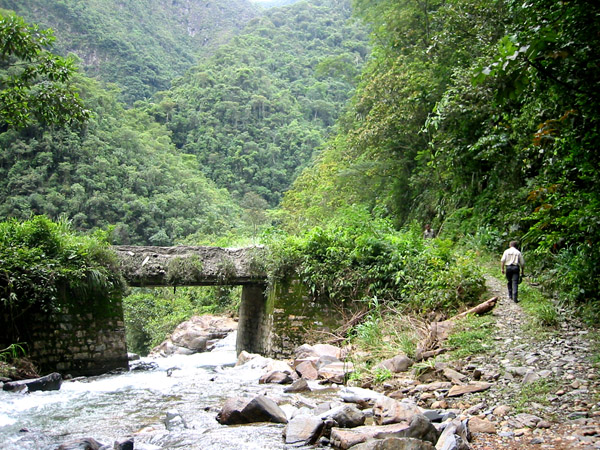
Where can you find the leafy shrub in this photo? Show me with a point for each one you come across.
(45, 265)
(355, 261)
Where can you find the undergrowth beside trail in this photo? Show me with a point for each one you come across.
(360, 259)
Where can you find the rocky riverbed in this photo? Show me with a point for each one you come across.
(528, 392)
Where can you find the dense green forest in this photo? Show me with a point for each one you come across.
(257, 111)
(478, 116)
(124, 169)
(141, 45)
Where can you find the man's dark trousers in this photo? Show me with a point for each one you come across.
(512, 276)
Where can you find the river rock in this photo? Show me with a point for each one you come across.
(318, 350)
(419, 428)
(345, 416)
(231, 412)
(477, 425)
(345, 438)
(50, 382)
(526, 420)
(395, 444)
(475, 386)
(81, 444)
(359, 395)
(240, 410)
(397, 364)
(124, 444)
(245, 357)
(276, 377)
(307, 369)
(455, 436)
(195, 335)
(303, 430)
(501, 410)
(454, 376)
(387, 410)
(299, 385)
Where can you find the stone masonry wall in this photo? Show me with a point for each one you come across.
(78, 340)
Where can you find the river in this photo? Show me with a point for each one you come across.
(135, 403)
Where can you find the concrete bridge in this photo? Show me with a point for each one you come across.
(88, 337)
(208, 266)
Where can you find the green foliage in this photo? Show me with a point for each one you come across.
(35, 84)
(509, 156)
(139, 44)
(121, 171)
(46, 265)
(471, 336)
(12, 352)
(540, 308)
(381, 374)
(150, 315)
(257, 111)
(361, 260)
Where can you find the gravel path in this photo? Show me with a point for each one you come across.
(549, 376)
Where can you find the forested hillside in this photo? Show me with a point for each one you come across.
(480, 116)
(139, 44)
(249, 117)
(122, 170)
(257, 111)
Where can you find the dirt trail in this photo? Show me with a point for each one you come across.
(564, 411)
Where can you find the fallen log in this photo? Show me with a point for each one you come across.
(439, 331)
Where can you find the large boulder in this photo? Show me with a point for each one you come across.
(299, 385)
(278, 377)
(345, 416)
(50, 382)
(318, 350)
(307, 370)
(195, 335)
(240, 410)
(420, 427)
(345, 438)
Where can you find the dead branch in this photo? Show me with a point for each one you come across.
(431, 345)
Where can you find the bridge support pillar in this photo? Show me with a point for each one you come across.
(255, 321)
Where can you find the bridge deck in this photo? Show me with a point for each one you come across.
(191, 266)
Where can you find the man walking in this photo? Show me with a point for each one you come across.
(512, 265)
